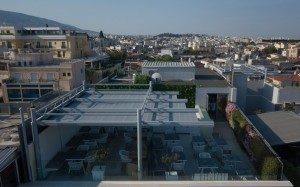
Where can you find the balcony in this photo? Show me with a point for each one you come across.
(43, 47)
(13, 81)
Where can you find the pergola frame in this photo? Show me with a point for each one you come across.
(58, 109)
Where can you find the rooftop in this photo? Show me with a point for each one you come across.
(168, 64)
(291, 77)
(120, 108)
(206, 77)
(280, 127)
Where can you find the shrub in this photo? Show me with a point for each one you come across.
(185, 92)
(264, 162)
(292, 172)
(269, 169)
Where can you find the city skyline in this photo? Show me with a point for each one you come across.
(268, 18)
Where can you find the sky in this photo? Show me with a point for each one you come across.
(245, 18)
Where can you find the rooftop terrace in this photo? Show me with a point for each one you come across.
(125, 135)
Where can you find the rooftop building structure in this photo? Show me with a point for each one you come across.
(136, 128)
(31, 75)
(170, 71)
(61, 43)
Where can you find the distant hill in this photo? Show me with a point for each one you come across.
(173, 35)
(23, 20)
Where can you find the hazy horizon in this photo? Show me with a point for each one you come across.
(255, 18)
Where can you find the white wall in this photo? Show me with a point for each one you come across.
(172, 73)
(203, 91)
(52, 140)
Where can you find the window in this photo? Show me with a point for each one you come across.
(9, 44)
(3, 43)
(50, 76)
(7, 32)
(58, 54)
(25, 64)
(30, 63)
(17, 76)
(69, 74)
(34, 77)
(19, 64)
(63, 44)
(50, 44)
(38, 44)
(64, 74)
(64, 53)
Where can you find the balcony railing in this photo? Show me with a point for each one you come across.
(43, 46)
(8, 81)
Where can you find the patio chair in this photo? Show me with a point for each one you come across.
(92, 144)
(128, 139)
(198, 148)
(124, 155)
(94, 130)
(170, 145)
(177, 149)
(204, 155)
(103, 138)
(83, 148)
(76, 166)
(178, 166)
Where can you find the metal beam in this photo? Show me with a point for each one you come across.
(139, 144)
(99, 110)
(87, 123)
(123, 123)
(173, 110)
(113, 112)
(90, 114)
(122, 100)
(36, 143)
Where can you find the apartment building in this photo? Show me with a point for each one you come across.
(61, 43)
(31, 75)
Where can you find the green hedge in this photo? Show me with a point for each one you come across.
(267, 166)
(121, 87)
(185, 92)
(292, 172)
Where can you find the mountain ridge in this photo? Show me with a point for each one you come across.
(8, 18)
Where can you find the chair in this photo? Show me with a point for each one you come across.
(83, 148)
(204, 155)
(198, 148)
(76, 166)
(92, 144)
(178, 166)
(98, 172)
(177, 149)
(170, 145)
(128, 139)
(103, 138)
(132, 170)
(124, 155)
(94, 131)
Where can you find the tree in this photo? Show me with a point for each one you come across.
(101, 35)
(270, 50)
(141, 79)
(166, 58)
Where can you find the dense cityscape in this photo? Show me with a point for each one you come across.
(91, 108)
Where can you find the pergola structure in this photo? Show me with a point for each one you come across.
(136, 108)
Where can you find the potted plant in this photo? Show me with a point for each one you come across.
(102, 153)
(169, 158)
